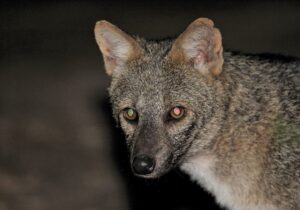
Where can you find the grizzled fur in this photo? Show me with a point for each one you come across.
(240, 136)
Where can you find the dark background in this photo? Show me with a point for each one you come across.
(59, 147)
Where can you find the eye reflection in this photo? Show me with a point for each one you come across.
(177, 112)
(130, 114)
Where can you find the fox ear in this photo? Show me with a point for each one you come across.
(200, 45)
(116, 46)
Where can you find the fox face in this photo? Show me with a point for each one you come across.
(164, 93)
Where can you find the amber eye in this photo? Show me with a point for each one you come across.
(130, 114)
(177, 112)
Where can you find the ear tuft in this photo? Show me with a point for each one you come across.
(200, 46)
(116, 46)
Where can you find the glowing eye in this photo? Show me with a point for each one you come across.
(130, 114)
(177, 112)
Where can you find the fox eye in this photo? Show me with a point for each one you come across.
(177, 112)
(130, 114)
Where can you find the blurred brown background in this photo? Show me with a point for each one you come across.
(59, 148)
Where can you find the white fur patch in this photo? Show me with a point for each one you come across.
(201, 170)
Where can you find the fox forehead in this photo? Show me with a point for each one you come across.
(159, 86)
(153, 80)
(141, 89)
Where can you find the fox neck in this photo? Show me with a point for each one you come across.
(221, 169)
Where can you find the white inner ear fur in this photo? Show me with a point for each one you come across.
(117, 47)
(200, 63)
(196, 46)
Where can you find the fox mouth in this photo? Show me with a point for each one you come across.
(155, 174)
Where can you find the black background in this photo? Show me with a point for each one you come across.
(60, 148)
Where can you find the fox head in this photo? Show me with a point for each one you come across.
(165, 94)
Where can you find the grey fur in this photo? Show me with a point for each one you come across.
(246, 120)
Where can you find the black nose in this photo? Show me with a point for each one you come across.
(143, 165)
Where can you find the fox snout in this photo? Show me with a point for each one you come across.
(150, 155)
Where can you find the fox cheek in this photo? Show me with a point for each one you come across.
(181, 142)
